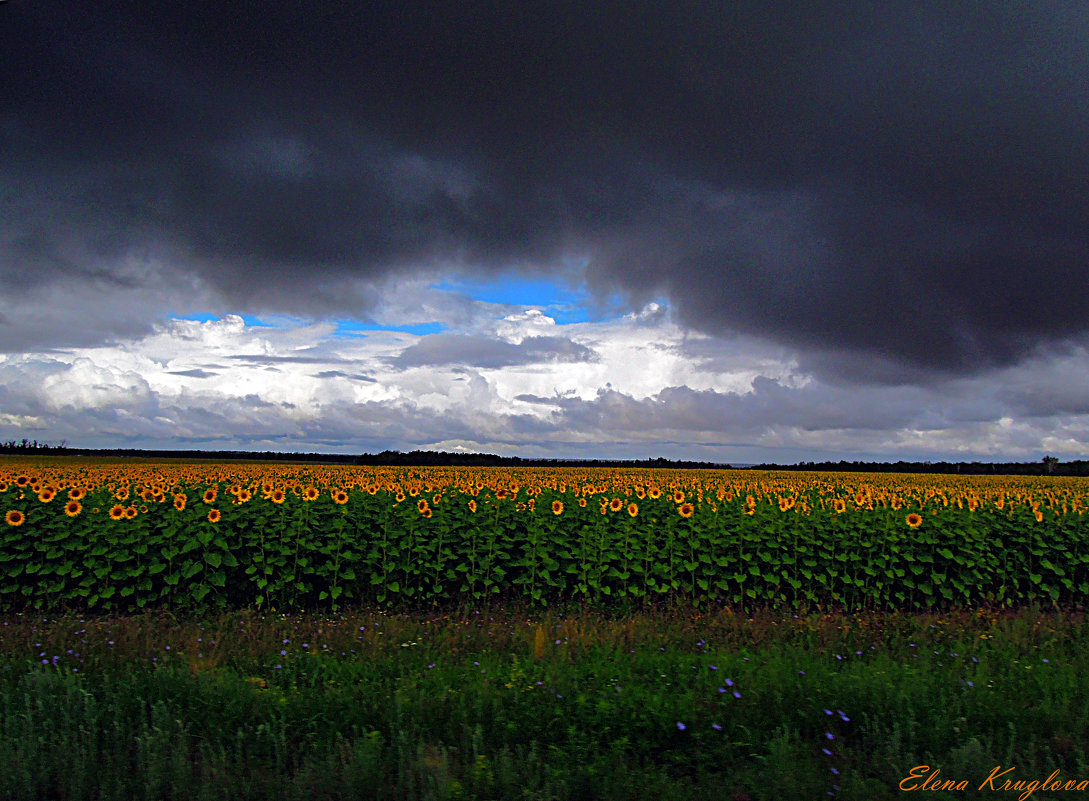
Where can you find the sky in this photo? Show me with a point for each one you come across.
(737, 232)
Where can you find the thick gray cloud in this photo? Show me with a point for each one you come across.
(489, 353)
(896, 190)
(342, 374)
(196, 372)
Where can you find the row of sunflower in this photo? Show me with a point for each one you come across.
(116, 536)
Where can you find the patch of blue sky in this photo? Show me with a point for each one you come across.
(557, 299)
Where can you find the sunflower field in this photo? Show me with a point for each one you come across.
(119, 536)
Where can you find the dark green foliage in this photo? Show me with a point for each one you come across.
(375, 549)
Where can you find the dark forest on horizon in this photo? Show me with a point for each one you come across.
(1048, 465)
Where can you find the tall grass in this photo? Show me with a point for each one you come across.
(483, 704)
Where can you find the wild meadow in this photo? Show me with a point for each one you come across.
(252, 631)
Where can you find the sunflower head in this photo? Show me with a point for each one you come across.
(278, 496)
(615, 504)
(130, 512)
(213, 515)
(914, 520)
(73, 508)
(472, 506)
(557, 507)
(340, 497)
(15, 518)
(686, 510)
(117, 512)
(633, 509)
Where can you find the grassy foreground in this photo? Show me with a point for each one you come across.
(497, 704)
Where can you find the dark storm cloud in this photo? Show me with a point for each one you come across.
(895, 189)
(485, 352)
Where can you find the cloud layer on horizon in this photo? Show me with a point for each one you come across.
(622, 389)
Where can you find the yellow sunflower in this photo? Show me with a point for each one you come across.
(15, 518)
(633, 509)
(686, 509)
(73, 508)
(117, 512)
(557, 507)
(213, 515)
(914, 520)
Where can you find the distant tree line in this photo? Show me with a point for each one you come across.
(1049, 465)
(385, 458)
(446, 459)
(32, 446)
